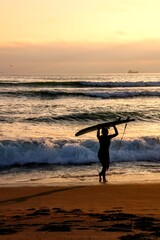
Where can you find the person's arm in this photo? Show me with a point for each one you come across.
(98, 133)
(115, 134)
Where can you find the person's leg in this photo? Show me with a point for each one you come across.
(105, 165)
(104, 173)
(101, 161)
(100, 176)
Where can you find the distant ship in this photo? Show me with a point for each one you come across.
(132, 71)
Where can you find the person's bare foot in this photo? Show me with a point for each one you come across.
(104, 180)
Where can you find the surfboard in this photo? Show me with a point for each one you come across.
(102, 125)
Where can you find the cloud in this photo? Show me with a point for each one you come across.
(79, 57)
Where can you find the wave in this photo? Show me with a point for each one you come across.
(153, 116)
(52, 94)
(96, 116)
(81, 84)
(62, 152)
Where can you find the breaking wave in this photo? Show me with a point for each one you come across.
(47, 151)
(52, 94)
(81, 84)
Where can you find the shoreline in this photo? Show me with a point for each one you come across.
(117, 211)
(84, 180)
(73, 175)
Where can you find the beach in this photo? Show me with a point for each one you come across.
(104, 211)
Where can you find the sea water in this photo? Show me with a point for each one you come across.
(39, 116)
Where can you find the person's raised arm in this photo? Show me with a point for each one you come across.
(98, 133)
(116, 132)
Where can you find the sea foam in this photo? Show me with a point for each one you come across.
(47, 151)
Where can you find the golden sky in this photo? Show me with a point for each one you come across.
(79, 36)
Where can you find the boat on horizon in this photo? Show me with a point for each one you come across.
(132, 71)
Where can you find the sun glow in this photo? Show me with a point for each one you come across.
(71, 20)
(89, 23)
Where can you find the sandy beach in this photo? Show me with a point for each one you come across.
(105, 211)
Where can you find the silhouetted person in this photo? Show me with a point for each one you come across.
(103, 153)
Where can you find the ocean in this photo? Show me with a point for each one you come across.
(39, 116)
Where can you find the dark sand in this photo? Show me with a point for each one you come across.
(105, 211)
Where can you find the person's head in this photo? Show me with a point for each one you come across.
(105, 131)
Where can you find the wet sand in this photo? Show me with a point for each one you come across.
(105, 211)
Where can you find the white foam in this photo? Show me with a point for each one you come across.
(74, 152)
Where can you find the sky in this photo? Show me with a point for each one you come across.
(79, 36)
